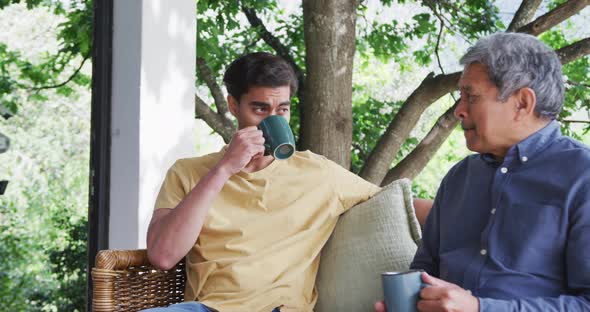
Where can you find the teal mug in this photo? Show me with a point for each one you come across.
(402, 290)
(278, 137)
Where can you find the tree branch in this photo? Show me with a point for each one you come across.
(218, 98)
(220, 124)
(271, 40)
(554, 17)
(64, 82)
(432, 5)
(380, 158)
(574, 51)
(575, 83)
(524, 14)
(414, 162)
(574, 121)
(442, 26)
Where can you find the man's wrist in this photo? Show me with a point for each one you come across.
(222, 171)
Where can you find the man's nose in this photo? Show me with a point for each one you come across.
(460, 110)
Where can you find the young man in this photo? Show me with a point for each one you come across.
(252, 226)
(509, 229)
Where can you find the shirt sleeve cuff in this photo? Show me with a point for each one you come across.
(491, 305)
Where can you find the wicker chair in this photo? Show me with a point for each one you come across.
(124, 280)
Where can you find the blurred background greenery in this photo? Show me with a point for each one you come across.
(43, 213)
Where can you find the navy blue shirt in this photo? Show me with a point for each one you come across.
(515, 232)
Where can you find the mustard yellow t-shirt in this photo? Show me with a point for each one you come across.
(260, 244)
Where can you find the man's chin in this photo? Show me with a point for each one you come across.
(473, 146)
(468, 134)
(470, 140)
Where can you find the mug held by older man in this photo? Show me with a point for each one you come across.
(402, 290)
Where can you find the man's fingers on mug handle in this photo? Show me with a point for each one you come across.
(432, 293)
(259, 140)
(252, 134)
(249, 129)
(433, 281)
(259, 152)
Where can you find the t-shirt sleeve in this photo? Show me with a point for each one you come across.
(172, 190)
(350, 188)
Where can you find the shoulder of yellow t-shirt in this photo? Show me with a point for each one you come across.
(199, 162)
(311, 158)
(310, 155)
(209, 160)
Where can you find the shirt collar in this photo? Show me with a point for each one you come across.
(536, 143)
(529, 147)
(490, 159)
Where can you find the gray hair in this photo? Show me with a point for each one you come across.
(515, 61)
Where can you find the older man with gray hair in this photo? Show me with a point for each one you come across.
(510, 225)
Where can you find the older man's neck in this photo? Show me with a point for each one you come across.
(520, 133)
(532, 126)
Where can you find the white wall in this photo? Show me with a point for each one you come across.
(154, 43)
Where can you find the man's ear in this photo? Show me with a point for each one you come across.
(232, 105)
(526, 100)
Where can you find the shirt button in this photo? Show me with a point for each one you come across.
(493, 211)
(524, 158)
(483, 252)
(504, 169)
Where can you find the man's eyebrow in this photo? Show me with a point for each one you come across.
(466, 88)
(259, 104)
(256, 103)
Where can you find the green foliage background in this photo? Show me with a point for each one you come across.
(43, 214)
(43, 224)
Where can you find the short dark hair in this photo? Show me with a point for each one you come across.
(258, 69)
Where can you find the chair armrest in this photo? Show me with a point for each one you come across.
(124, 280)
(121, 259)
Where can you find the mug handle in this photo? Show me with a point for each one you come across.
(267, 150)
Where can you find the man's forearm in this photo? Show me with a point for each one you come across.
(175, 233)
(422, 208)
(561, 303)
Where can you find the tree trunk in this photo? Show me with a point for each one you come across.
(329, 29)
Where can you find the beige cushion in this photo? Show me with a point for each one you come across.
(376, 236)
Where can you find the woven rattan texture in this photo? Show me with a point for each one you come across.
(136, 286)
